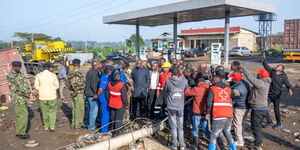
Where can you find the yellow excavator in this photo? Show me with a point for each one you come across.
(40, 52)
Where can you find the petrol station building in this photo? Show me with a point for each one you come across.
(191, 11)
(203, 38)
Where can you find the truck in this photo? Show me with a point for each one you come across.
(39, 52)
(291, 49)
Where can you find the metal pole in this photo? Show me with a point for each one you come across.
(226, 36)
(175, 36)
(137, 40)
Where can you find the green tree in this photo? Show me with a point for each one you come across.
(57, 39)
(131, 41)
(27, 37)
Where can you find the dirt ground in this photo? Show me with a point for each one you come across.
(273, 139)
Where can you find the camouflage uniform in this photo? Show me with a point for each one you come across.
(19, 87)
(129, 94)
(76, 83)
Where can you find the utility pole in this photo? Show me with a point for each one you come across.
(32, 37)
(86, 45)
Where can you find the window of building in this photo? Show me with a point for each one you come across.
(192, 43)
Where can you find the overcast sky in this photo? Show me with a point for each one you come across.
(82, 19)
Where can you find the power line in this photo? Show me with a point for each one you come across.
(56, 14)
(86, 18)
(60, 19)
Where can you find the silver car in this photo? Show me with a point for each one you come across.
(240, 51)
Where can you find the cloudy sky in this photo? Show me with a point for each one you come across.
(82, 19)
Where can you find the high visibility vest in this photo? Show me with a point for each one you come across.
(222, 103)
(115, 98)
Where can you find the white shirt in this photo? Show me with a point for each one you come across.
(46, 83)
(154, 78)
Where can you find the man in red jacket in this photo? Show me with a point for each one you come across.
(163, 77)
(199, 93)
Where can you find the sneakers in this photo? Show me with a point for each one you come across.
(268, 125)
(277, 126)
(239, 144)
(182, 148)
(26, 136)
(232, 147)
(212, 147)
(258, 148)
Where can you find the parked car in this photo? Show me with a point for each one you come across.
(194, 53)
(114, 55)
(240, 51)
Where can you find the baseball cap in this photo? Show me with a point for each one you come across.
(263, 73)
(236, 76)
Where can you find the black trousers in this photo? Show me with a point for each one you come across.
(151, 103)
(257, 117)
(275, 99)
(138, 106)
(117, 116)
(160, 109)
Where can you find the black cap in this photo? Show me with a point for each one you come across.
(200, 80)
(221, 73)
(109, 67)
(76, 62)
(125, 60)
(16, 64)
(47, 65)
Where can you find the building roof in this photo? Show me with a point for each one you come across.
(209, 31)
(189, 11)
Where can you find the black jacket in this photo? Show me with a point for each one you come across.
(141, 81)
(92, 79)
(278, 80)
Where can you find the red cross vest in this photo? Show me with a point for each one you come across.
(222, 103)
(115, 98)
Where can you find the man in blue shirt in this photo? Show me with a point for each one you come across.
(102, 98)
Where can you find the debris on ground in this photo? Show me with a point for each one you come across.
(31, 144)
(297, 136)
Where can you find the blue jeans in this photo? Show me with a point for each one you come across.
(199, 122)
(93, 112)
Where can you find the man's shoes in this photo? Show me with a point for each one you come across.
(26, 136)
(239, 144)
(52, 130)
(182, 148)
(232, 147)
(277, 126)
(268, 125)
(212, 147)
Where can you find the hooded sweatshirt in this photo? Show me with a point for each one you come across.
(259, 93)
(174, 90)
(200, 95)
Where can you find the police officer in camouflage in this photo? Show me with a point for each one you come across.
(76, 82)
(19, 94)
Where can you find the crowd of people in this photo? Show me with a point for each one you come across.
(207, 99)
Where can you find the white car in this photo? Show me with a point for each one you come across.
(240, 51)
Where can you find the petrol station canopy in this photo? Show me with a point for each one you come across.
(190, 11)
